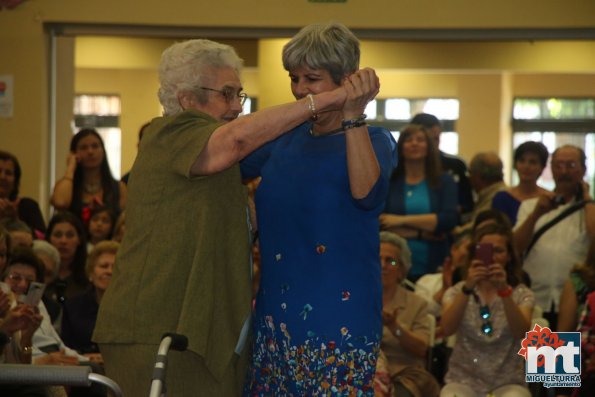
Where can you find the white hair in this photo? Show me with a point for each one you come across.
(47, 249)
(184, 68)
(400, 243)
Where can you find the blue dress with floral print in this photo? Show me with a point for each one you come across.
(317, 324)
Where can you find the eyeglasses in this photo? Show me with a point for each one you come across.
(486, 326)
(559, 165)
(17, 278)
(390, 261)
(230, 94)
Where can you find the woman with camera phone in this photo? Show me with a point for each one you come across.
(490, 311)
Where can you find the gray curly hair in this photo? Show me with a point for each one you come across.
(184, 68)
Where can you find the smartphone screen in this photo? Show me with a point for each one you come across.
(34, 294)
(4, 287)
(484, 252)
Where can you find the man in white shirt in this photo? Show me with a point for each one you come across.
(565, 244)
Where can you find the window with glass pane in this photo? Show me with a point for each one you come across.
(395, 113)
(102, 112)
(556, 122)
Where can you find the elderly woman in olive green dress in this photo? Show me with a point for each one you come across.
(184, 261)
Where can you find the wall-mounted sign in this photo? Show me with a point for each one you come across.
(6, 95)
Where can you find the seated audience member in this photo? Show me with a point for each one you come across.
(50, 258)
(530, 159)
(422, 201)
(119, 227)
(20, 233)
(577, 313)
(487, 178)
(18, 323)
(87, 181)
(80, 313)
(11, 205)
(101, 226)
(4, 248)
(452, 165)
(47, 347)
(66, 233)
(431, 287)
(490, 312)
(405, 334)
(570, 213)
(23, 268)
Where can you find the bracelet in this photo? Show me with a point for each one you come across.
(398, 333)
(27, 349)
(467, 291)
(312, 107)
(505, 293)
(359, 121)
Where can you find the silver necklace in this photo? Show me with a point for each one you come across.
(92, 188)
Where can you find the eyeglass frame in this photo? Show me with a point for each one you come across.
(393, 262)
(18, 278)
(229, 94)
(567, 165)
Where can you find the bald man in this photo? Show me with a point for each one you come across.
(487, 178)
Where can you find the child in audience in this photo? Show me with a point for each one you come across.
(101, 226)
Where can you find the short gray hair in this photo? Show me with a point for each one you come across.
(401, 244)
(332, 47)
(44, 248)
(183, 68)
